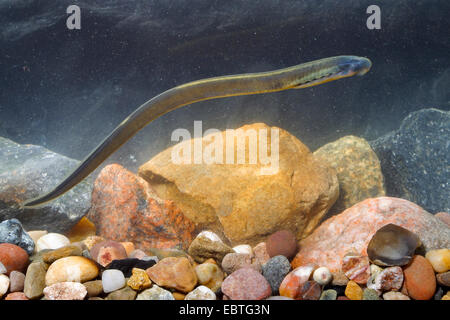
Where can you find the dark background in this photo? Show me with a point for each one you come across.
(67, 89)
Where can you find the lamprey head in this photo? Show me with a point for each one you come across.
(355, 66)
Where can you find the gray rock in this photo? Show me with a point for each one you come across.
(415, 159)
(329, 294)
(11, 231)
(28, 171)
(155, 293)
(275, 270)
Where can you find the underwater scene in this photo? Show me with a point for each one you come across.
(224, 150)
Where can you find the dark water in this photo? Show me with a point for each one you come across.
(67, 89)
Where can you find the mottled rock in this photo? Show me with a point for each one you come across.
(106, 251)
(28, 171)
(52, 241)
(353, 229)
(390, 279)
(356, 268)
(127, 265)
(201, 293)
(65, 291)
(420, 280)
(16, 296)
(358, 171)
(112, 280)
(393, 295)
(94, 288)
(155, 293)
(234, 261)
(370, 294)
(13, 257)
(209, 275)
(260, 252)
(329, 294)
(17, 281)
(439, 259)
(125, 208)
(392, 245)
(282, 242)
(76, 269)
(291, 284)
(207, 245)
(11, 231)
(126, 293)
(414, 159)
(247, 201)
(246, 284)
(139, 280)
(353, 291)
(35, 280)
(53, 255)
(310, 290)
(175, 273)
(275, 270)
(443, 279)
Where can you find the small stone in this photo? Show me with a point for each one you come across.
(390, 279)
(394, 295)
(244, 248)
(53, 255)
(310, 290)
(139, 280)
(155, 293)
(201, 293)
(106, 251)
(13, 257)
(52, 241)
(392, 245)
(356, 268)
(178, 295)
(329, 294)
(420, 280)
(438, 294)
(260, 252)
(129, 247)
(443, 279)
(112, 280)
(83, 229)
(275, 270)
(122, 294)
(246, 284)
(65, 291)
(175, 273)
(322, 276)
(92, 241)
(353, 291)
(282, 242)
(444, 217)
(4, 284)
(11, 231)
(209, 275)
(439, 259)
(127, 265)
(207, 245)
(76, 269)
(292, 283)
(94, 288)
(370, 294)
(234, 261)
(138, 254)
(339, 278)
(16, 296)
(17, 279)
(35, 280)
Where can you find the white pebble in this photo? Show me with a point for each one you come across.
(209, 235)
(244, 248)
(201, 293)
(52, 241)
(4, 284)
(2, 268)
(112, 280)
(322, 276)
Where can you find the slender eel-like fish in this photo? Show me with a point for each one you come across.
(296, 77)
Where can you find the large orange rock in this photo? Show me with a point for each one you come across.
(125, 208)
(352, 230)
(246, 201)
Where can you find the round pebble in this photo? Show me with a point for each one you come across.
(420, 280)
(13, 257)
(52, 241)
(65, 291)
(282, 242)
(76, 269)
(112, 280)
(201, 293)
(122, 294)
(246, 284)
(275, 270)
(4, 284)
(439, 259)
(322, 276)
(94, 288)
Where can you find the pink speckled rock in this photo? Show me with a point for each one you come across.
(352, 230)
(246, 284)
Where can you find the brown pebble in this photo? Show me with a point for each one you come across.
(282, 242)
(420, 279)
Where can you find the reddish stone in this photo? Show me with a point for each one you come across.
(292, 284)
(444, 216)
(16, 296)
(17, 279)
(356, 268)
(420, 280)
(106, 251)
(246, 284)
(310, 290)
(390, 279)
(13, 257)
(283, 243)
(125, 208)
(352, 230)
